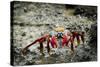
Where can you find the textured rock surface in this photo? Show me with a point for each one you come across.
(32, 19)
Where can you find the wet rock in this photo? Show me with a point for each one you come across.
(54, 55)
(90, 12)
(23, 34)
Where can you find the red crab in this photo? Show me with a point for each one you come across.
(53, 40)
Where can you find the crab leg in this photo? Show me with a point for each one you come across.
(41, 47)
(65, 41)
(78, 39)
(40, 40)
(53, 42)
(48, 47)
(72, 40)
(82, 37)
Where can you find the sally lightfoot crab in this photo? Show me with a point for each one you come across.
(61, 39)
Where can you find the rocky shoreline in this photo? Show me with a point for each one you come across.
(32, 19)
